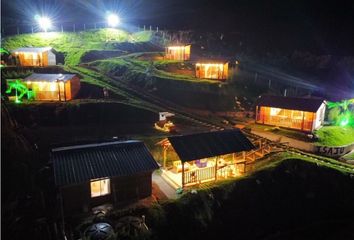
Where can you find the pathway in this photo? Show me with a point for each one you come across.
(302, 145)
(163, 186)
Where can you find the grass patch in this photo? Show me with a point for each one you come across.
(75, 45)
(335, 135)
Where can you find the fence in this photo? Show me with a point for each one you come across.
(69, 27)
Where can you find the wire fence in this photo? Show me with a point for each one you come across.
(68, 27)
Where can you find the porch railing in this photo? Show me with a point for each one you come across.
(198, 175)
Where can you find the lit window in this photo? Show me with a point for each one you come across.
(100, 187)
(274, 111)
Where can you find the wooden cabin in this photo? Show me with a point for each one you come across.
(103, 173)
(35, 56)
(217, 70)
(304, 114)
(178, 52)
(53, 87)
(204, 156)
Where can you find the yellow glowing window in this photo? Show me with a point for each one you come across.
(100, 187)
(274, 111)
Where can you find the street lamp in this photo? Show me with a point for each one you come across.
(113, 20)
(44, 22)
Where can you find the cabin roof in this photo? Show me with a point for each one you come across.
(209, 144)
(81, 163)
(49, 77)
(292, 103)
(212, 60)
(178, 45)
(32, 49)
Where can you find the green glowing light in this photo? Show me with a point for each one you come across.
(344, 122)
(342, 113)
(20, 90)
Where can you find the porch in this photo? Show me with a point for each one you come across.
(181, 172)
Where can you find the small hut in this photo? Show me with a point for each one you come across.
(304, 114)
(35, 56)
(178, 52)
(94, 174)
(53, 87)
(212, 69)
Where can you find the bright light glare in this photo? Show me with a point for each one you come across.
(112, 20)
(44, 23)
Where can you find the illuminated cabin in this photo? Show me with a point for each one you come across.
(179, 52)
(304, 114)
(201, 157)
(53, 87)
(212, 70)
(35, 56)
(102, 173)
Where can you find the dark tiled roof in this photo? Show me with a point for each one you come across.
(78, 164)
(49, 77)
(209, 144)
(293, 103)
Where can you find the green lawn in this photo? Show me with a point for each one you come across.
(75, 45)
(335, 135)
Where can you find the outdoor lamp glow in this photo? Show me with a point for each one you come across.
(44, 23)
(113, 20)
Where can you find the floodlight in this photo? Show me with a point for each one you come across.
(44, 23)
(113, 20)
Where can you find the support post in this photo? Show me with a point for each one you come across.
(18, 30)
(32, 29)
(164, 156)
(84, 26)
(62, 29)
(94, 25)
(157, 29)
(216, 167)
(144, 27)
(182, 174)
(150, 27)
(74, 27)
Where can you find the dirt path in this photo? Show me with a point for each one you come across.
(304, 146)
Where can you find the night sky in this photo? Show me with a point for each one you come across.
(328, 23)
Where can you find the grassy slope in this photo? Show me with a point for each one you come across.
(335, 135)
(287, 196)
(118, 66)
(75, 45)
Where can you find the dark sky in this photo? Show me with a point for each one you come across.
(331, 22)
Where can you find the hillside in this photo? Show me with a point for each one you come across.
(293, 199)
(75, 45)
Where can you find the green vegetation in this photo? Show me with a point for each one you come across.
(286, 189)
(349, 156)
(132, 65)
(75, 45)
(335, 135)
(342, 113)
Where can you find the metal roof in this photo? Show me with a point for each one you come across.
(209, 144)
(35, 77)
(32, 49)
(292, 103)
(78, 164)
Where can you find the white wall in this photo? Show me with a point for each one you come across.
(51, 58)
(319, 116)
